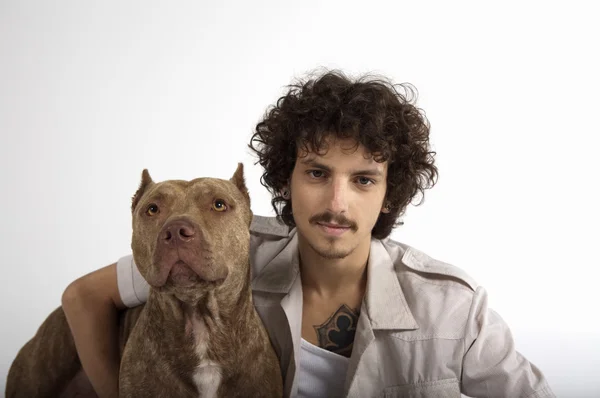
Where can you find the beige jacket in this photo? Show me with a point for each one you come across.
(424, 328)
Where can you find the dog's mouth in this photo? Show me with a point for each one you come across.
(185, 267)
(187, 274)
(181, 274)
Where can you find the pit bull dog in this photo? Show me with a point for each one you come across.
(198, 335)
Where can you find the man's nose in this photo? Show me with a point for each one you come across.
(338, 197)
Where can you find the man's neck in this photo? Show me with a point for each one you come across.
(329, 278)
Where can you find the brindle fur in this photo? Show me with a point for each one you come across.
(158, 348)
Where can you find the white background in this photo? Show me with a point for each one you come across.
(93, 92)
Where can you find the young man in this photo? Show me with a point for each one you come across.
(349, 311)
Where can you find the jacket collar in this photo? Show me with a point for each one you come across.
(385, 302)
(279, 274)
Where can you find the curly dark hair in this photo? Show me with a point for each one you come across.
(370, 110)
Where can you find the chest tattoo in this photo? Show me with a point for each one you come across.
(337, 333)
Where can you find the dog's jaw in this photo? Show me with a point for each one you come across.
(193, 294)
(185, 268)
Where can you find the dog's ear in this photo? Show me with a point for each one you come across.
(238, 180)
(146, 181)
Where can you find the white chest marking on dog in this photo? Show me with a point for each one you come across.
(208, 373)
(208, 379)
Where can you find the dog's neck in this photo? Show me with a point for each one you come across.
(218, 308)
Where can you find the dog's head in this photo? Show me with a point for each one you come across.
(191, 237)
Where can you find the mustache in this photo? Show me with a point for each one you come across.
(331, 218)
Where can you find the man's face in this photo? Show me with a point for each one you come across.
(337, 197)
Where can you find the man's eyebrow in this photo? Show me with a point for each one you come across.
(311, 162)
(369, 172)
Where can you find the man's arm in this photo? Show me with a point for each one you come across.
(491, 365)
(91, 305)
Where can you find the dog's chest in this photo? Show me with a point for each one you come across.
(207, 375)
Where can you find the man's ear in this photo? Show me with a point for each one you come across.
(238, 180)
(386, 208)
(146, 182)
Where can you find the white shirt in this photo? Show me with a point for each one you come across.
(322, 373)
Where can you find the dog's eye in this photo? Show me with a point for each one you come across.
(219, 205)
(152, 210)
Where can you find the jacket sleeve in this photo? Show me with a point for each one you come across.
(133, 288)
(491, 365)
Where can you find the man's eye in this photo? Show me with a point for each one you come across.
(152, 210)
(316, 173)
(364, 181)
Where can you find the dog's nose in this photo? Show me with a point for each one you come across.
(178, 231)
